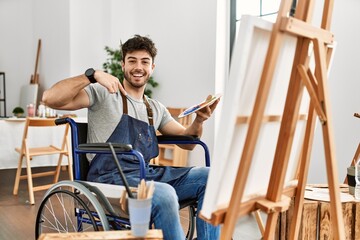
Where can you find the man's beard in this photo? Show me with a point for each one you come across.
(135, 85)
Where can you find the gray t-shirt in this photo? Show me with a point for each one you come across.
(105, 111)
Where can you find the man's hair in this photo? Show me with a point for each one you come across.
(139, 43)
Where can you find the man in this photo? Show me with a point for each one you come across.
(124, 114)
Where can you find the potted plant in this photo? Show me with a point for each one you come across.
(113, 66)
(18, 112)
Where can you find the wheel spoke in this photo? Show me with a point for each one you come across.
(63, 211)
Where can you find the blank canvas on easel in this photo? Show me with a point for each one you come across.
(238, 102)
(266, 128)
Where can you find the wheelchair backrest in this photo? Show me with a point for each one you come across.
(82, 129)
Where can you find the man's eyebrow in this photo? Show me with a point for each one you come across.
(145, 58)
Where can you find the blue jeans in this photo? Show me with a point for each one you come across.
(165, 207)
(165, 203)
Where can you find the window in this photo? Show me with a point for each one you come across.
(266, 9)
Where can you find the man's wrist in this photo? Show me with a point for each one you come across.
(90, 74)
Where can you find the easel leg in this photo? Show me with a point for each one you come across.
(332, 174)
(285, 141)
(303, 173)
(356, 156)
(259, 222)
(271, 223)
(329, 146)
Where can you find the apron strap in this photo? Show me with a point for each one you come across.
(125, 106)
(147, 104)
(149, 111)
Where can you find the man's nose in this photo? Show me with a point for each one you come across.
(138, 65)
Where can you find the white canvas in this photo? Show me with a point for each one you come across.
(245, 72)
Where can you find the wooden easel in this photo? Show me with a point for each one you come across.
(35, 77)
(357, 152)
(356, 156)
(277, 198)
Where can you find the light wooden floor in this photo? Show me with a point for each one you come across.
(17, 219)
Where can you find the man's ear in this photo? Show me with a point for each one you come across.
(122, 65)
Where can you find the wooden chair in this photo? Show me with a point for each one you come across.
(29, 152)
(170, 154)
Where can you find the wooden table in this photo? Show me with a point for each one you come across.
(153, 234)
(316, 220)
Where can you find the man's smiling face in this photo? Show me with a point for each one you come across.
(137, 68)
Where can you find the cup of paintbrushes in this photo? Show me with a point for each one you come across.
(140, 209)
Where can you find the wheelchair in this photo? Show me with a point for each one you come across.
(80, 206)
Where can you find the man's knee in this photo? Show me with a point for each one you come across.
(199, 175)
(165, 196)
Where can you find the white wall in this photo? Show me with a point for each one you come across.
(22, 23)
(16, 47)
(74, 34)
(88, 25)
(51, 24)
(344, 85)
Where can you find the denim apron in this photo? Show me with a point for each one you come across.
(142, 137)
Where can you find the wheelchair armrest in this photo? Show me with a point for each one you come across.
(104, 147)
(185, 139)
(176, 138)
(60, 121)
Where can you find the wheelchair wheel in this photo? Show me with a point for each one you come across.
(188, 220)
(69, 207)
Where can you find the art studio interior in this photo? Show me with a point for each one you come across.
(217, 119)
